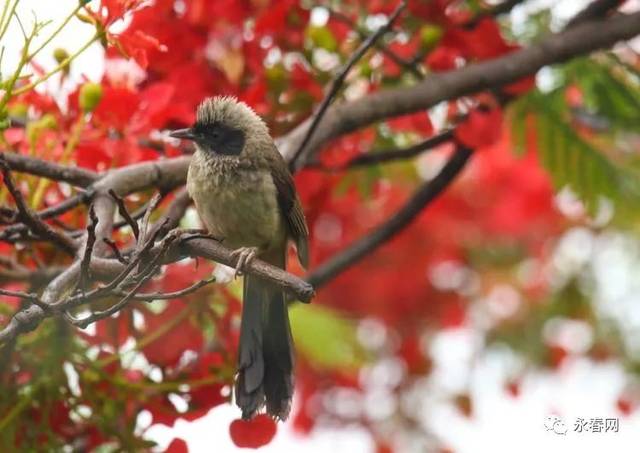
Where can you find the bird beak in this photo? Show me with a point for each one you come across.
(187, 134)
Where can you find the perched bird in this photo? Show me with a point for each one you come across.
(246, 198)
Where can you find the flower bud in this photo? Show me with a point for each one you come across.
(430, 36)
(60, 54)
(90, 95)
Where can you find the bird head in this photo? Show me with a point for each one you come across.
(223, 127)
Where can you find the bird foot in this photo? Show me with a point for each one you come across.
(245, 256)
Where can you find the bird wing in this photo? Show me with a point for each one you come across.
(291, 208)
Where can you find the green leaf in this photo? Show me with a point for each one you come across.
(569, 158)
(322, 37)
(519, 127)
(612, 96)
(325, 338)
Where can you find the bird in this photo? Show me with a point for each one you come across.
(246, 198)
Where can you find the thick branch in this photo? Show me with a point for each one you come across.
(162, 174)
(29, 318)
(32, 165)
(339, 120)
(210, 249)
(347, 117)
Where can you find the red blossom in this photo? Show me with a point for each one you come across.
(177, 445)
(256, 50)
(136, 46)
(521, 86)
(416, 122)
(253, 433)
(514, 387)
(443, 58)
(430, 10)
(626, 405)
(481, 128)
(182, 336)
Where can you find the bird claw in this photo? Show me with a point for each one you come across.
(245, 256)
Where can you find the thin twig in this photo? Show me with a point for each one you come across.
(29, 297)
(137, 214)
(122, 209)
(473, 78)
(173, 214)
(409, 65)
(116, 251)
(85, 264)
(30, 218)
(153, 204)
(338, 81)
(496, 10)
(18, 294)
(47, 213)
(390, 155)
(145, 275)
(403, 217)
(123, 276)
(175, 294)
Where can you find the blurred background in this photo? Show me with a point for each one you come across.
(508, 309)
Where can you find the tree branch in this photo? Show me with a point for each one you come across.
(122, 210)
(175, 294)
(48, 213)
(390, 155)
(595, 10)
(26, 164)
(28, 318)
(362, 34)
(347, 117)
(497, 10)
(338, 81)
(339, 119)
(30, 218)
(402, 218)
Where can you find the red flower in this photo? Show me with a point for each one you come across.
(136, 45)
(304, 81)
(625, 405)
(253, 433)
(177, 446)
(443, 58)
(415, 122)
(116, 107)
(521, 86)
(182, 336)
(484, 41)
(481, 128)
(112, 10)
(431, 10)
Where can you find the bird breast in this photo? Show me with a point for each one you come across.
(236, 202)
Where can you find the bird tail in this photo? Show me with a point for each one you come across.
(265, 353)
